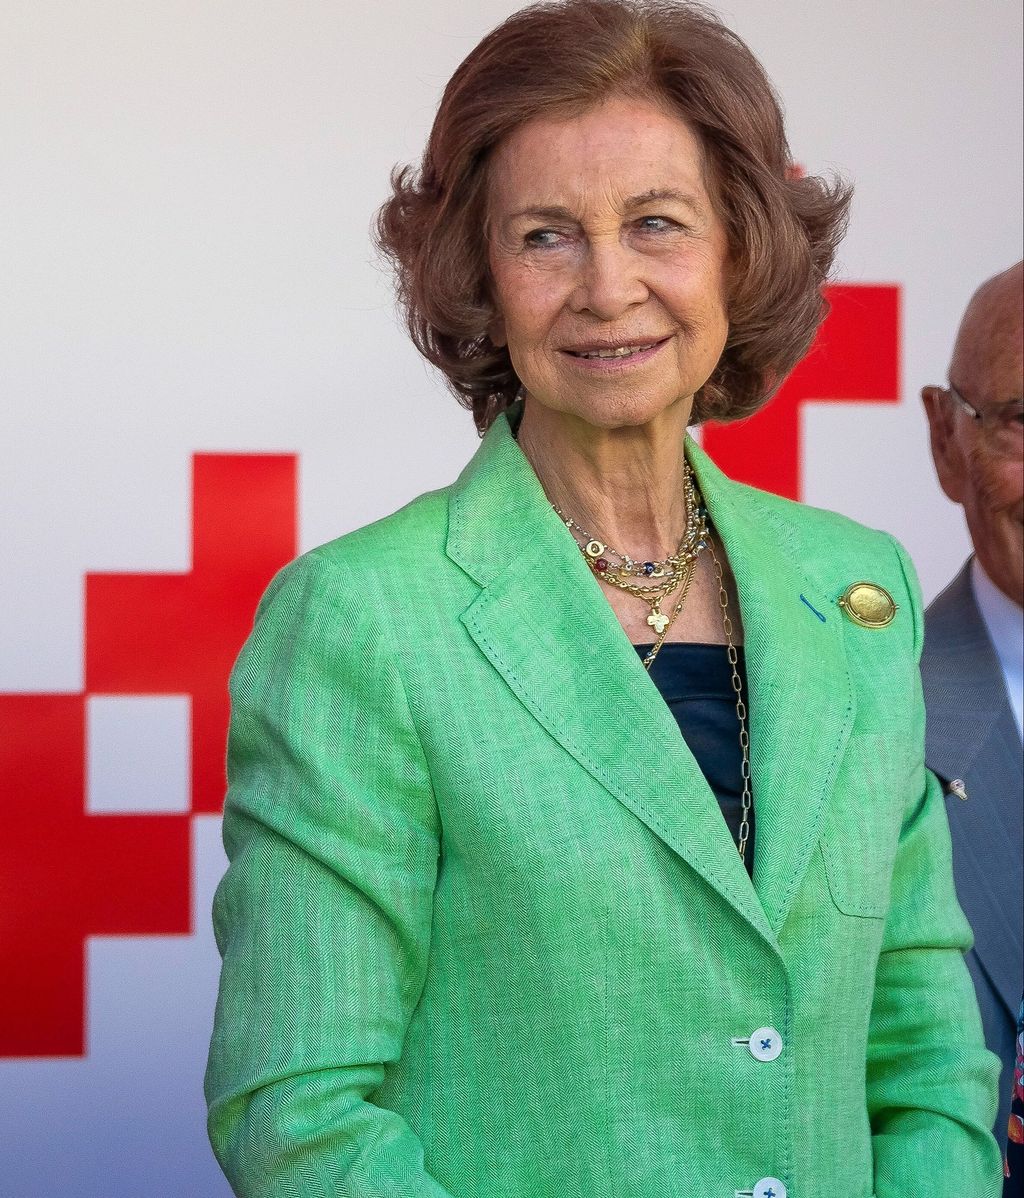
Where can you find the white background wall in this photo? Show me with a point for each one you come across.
(186, 189)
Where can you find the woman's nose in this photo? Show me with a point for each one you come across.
(610, 281)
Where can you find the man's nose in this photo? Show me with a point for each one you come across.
(610, 281)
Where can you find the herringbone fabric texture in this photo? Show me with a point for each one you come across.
(485, 932)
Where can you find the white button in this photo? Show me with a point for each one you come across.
(765, 1045)
(769, 1187)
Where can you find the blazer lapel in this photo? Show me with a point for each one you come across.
(801, 700)
(545, 626)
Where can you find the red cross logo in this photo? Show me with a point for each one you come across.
(855, 358)
(65, 873)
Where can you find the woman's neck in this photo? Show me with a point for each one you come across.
(623, 485)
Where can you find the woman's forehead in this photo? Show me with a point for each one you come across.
(622, 150)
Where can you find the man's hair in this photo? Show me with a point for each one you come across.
(562, 58)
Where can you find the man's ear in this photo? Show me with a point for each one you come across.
(946, 451)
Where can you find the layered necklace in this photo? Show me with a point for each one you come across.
(653, 582)
(650, 581)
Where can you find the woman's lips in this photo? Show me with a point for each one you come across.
(614, 358)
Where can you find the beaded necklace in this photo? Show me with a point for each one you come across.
(660, 578)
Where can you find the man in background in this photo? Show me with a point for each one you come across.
(973, 662)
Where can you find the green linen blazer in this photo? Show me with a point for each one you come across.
(485, 932)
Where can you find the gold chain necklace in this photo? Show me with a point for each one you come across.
(746, 797)
(673, 571)
(669, 574)
(598, 553)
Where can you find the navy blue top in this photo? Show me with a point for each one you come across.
(696, 682)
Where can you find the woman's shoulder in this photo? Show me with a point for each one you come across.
(839, 552)
(832, 551)
(816, 533)
(826, 533)
(385, 557)
(411, 535)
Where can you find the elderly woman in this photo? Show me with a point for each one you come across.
(581, 844)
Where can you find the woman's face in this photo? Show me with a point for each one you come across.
(603, 240)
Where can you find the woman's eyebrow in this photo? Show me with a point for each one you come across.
(669, 194)
(654, 195)
(539, 212)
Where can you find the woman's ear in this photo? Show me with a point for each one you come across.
(496, 332)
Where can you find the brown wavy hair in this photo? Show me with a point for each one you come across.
(565, 56)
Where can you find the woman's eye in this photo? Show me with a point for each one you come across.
(543, 238)
(657, 224)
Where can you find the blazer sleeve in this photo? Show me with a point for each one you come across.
(323, 918)
(931, 1084)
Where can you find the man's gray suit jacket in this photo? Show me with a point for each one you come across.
(972, 736)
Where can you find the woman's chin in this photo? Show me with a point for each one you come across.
(609, 412)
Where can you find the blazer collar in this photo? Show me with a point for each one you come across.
(544, 624)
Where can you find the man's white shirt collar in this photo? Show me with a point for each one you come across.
(1004, 622)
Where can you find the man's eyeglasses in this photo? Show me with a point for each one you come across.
(1001, 426)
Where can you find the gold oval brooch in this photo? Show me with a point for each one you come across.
(868, 604)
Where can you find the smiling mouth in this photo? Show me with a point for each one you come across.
(617, 351)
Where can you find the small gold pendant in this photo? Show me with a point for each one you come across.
(658, 621)
(868, 604)
(594, 548)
